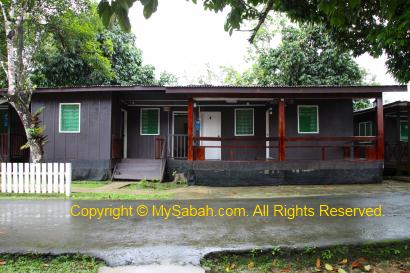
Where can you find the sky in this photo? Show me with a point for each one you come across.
(185, 40)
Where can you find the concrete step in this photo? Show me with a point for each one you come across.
(137, 169)
(131, 176)
(152, 269)
(132, 166)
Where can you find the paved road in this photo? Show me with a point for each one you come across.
(46, 226)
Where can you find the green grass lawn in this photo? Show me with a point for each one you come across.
(33, 263)
(157, 191)
(392, 257)
(119, 196)
(89, 184)
(155, 185)
(89, 196)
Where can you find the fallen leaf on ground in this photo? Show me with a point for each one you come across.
(328, 267)
(344, 261)
(2, 262)
(317, 263)
(286, 270)
(251, 265)
(359, 262)
(367, 267)
(341, 270)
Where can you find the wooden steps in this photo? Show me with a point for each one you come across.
(137, 169)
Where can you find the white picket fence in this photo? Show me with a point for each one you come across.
(35, 178)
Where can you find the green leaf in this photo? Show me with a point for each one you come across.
(329, 267)
(105, 12)
(121, 10)
(150, 6)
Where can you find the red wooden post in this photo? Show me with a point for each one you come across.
(281, 129)
(380, 128)
(190, 129)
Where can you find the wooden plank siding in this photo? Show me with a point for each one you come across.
(90, 149)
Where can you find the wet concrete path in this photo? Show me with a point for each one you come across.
(46, 226)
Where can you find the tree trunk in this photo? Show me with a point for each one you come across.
(20, 88)
(36, 150)
(31, 124)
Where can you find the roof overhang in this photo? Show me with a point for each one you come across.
(228, 91)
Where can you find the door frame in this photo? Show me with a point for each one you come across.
(267, 132)
(125, 128)
(174, 113)
(220, 126)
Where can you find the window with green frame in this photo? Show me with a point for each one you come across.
(404, 131)
(149, 121)
(365, 128)
(308, 120)
(70, 117)
(244, 122)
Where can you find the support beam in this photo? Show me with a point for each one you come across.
(281, 130)
(380, 128)
(190, 129)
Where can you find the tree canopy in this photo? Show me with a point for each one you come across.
(371, 26)
(306, 55)
(78, 50)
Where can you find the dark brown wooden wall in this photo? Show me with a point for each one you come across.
(335, 119)
(94, 140)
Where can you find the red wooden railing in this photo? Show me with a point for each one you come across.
(4, 145)
(352, 147)
(160, 148)
(117, 147)
(10, 146)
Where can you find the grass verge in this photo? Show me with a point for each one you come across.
(35, 263)
(155, 185)
(89, 184)
(88, 196)
(388, 257)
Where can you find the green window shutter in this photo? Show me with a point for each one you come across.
(404, 131)
(149, 122)
(69, 118)
(244, 122)
(308, 119)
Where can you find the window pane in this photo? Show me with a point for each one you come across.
(404, 131)
(149, 122)
(368, 130)
(362, 129)
(70, 118)
(308, 119)
(244, 122)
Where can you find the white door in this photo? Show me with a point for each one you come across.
(211, 127)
